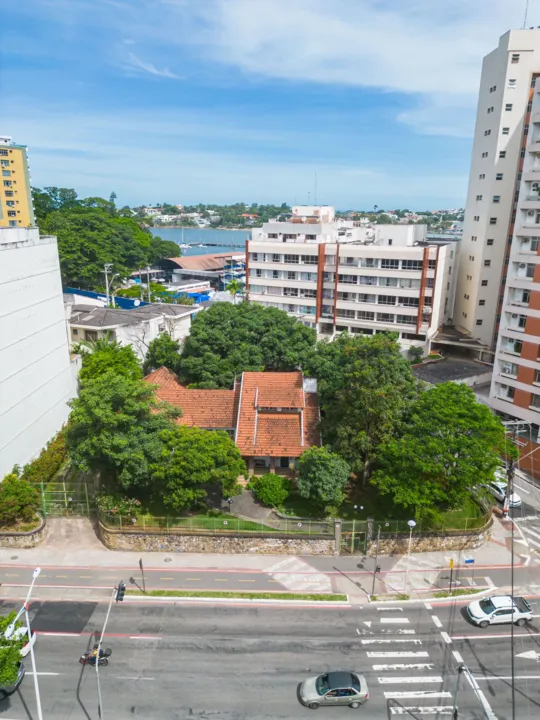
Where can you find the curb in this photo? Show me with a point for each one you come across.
(430, 600)
(235, 601)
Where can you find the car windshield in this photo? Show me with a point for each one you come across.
(322, 684)
(486, 605)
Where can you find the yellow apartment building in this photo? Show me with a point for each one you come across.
(16, 209)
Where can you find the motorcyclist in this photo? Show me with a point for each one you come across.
(92, 658)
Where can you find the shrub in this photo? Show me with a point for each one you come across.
(19, 500)
(118, 504)
(322, 476)
(49, 462)
(10, 651)
(415, 353)
(271, 489)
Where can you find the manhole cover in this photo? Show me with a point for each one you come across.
(168, 559)
(14, 557)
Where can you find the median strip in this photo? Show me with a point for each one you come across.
(319, 597)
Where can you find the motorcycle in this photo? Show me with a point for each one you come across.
(90, 657)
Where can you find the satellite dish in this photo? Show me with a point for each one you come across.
(136, 303)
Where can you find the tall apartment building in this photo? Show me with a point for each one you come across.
(36, 375)
(515, 388)
(16, 209)
(339, 276)
(502, 125)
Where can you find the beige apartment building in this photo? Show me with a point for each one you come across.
(502, 127)
(515, 388)
(337, 276)
(16, 208)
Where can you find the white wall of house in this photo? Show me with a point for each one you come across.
(36, 378)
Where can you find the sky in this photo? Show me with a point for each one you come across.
(354, 102)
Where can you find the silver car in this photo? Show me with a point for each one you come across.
(334, 688)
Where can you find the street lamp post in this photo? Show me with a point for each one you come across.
(376, 568)
(411, 524)
(11, 629)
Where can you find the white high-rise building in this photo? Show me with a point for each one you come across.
(337, 275)
(502, 125)
(36, 375)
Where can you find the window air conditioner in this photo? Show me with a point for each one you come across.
(514, 316)
(530, 213)
(522, 265)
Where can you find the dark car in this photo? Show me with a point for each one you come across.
(334, 688)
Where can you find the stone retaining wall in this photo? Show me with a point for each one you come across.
(24, 539)
(213, 543)
(399, 544)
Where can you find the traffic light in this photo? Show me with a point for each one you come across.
(120, 591)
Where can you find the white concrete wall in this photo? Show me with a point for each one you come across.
(36, 379)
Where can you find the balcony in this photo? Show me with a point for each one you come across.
(534, 146)
(530, 202)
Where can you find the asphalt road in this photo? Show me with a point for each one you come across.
(236, 663)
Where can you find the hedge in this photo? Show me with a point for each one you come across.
(49, 462)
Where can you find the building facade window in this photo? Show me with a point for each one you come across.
(476, 218)
(478, 197)
(489, 241)
(506, 131)
(502, 154)
(496, 198)
(508, 107)
(487, 263)
(515, 58)
(493, 221)
(389, 264)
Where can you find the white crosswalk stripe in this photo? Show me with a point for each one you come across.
(297, 575)
(422, 574)
(530, 527)
(402, 666)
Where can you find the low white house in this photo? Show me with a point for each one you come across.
(137, 327)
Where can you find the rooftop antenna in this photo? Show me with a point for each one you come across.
(526, 13)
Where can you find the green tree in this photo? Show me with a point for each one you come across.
(52, 198)
(322, 476)
(193, 458)
(449, 443)
(371, 390)
(18, 500)
(114, 429)
(10, 650)
(271, 489)
(226, 340)
(235, 287)
(163, 351)
(104, 356)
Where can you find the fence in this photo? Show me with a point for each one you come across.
(455, 525)
(229, 525)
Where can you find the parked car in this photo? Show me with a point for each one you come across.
(6, 690)
(334, 688)
(22, 633)
(497, 488)
(499, 609)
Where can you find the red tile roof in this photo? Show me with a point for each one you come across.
(272, 414)
(203, 408)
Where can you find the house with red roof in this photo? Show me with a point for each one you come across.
(272, 416)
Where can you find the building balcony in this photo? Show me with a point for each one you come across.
(528, 229)
(530, 202)
(534, 146)
(531, 175)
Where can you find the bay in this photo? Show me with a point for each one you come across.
(213, 240)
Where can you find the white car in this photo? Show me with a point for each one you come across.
(499, 609)
(497, 488)
(20, 633)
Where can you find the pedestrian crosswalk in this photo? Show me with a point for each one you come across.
(529, 525)
(409, 679)
(298, 576)
(422, 574)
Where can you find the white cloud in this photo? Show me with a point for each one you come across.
(134, 62)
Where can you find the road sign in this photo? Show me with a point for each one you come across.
(469, 561)
(451, 563)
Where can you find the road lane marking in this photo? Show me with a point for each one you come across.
(446, 637)
(506, 677)
(527, 492)
(166, 578)
(58, 634)
(436, 620)
(494, 635)
(400, 620)
(378, 641)
(61, 576)
(414, 693)
(428, 606)
(85, 577)
(246, 581)
(410, 680)
(12, 574)
(121, 677)
(405, 666)
(403, 654)
(390, 609)
(29, 672)
(457, 656)
(416, 710)
(192, 578)
(399, 631)
(144, 637)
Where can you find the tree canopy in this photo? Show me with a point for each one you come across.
(163, 351)
(367, 387)
(449, 443)
(322, 476)
(114, 429)
(191, 458)
(226, 340)
(103, 356)
(91, 232)
(10, 650)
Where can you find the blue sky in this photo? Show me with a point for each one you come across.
(225, 100)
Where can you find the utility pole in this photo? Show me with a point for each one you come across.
(117, 594)
(148, 278)
(106, 269)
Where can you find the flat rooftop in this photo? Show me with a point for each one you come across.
(450, 370)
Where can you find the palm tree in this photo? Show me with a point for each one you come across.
(235, 287)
